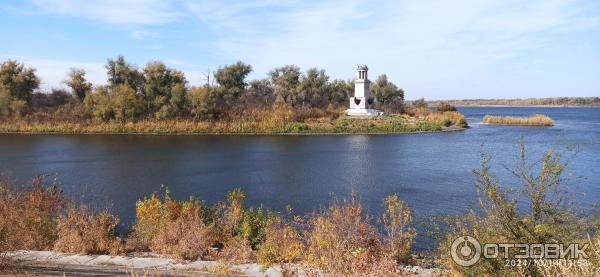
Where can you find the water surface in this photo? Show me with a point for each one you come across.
(432, 171)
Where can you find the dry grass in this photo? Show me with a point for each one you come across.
(28, 218)
(277, 120)
(534, 120)
(82, 232)
(341, 240)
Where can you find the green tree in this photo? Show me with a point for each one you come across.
(260, 93)
(98, 104)
(232, 81)
(286, 81)
(126, 104)
(386, 92)
(163, 90)
(78, 84)
(314, 88)
(445, 107)
(340, 92)
(18, 80)
(122, 73)
(203, 102)
(420, 103)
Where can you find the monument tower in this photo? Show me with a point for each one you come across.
(362, 102)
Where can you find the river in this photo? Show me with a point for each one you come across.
(430, 171)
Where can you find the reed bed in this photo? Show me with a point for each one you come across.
(533, 120)
(276, 121)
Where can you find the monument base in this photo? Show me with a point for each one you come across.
(363, 112)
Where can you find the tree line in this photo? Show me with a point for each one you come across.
(161, 92)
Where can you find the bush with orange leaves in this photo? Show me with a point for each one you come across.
(28, 218)
(170, 227)
(341, 240)
(83, 232)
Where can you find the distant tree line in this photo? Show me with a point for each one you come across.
(553, 101)
(158, 91)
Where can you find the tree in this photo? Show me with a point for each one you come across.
(340, 92)
(445, 107)
(203, 102)
(286, 81)
(18, 80)
(232, 81)
(121, 73)
(78, 84)
(314, 88)
(386, 92)
(98, 104)
(125, 102)
(420, 103)
(162, 85)
(260, 92)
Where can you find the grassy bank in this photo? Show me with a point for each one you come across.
(534, 120)
(259, 122)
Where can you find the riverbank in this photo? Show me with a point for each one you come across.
(35, 263)
(434, 122)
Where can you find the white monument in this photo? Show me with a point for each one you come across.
(362, 102)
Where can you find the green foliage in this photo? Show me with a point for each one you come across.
(286, 81)
(548, 218)
(122, 73)
(80, 87)
(396, 220)
(387, 92)
(233, 76)
(125, 102)
(18, 80)
(340, 92)
(420, 104)
(314, 88)
(164, 90)
(445, 107)
(204, 102)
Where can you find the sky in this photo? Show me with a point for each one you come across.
(433, 49)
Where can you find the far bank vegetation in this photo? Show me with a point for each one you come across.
(159, 99)
(533, 120)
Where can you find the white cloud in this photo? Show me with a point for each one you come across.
(113, 11)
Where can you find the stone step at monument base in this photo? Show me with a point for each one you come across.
(363, 112)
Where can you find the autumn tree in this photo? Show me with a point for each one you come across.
(78, 84)
(314, 88)
(386, 92)
(286, 81)
(164, 90)
(122, 73)
(18, 80)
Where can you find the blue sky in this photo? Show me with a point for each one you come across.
(432, 49)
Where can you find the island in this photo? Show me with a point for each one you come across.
(158, 100)
(533, 120)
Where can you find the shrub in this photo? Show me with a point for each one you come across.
(237, 250)
(82, 232)
(341, 240)
(396, 220)
(547, 218)
(185, 238)
(28, 219)
(534, 120)
(445, 107)
(283, 244)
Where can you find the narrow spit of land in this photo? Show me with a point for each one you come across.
(386, 124)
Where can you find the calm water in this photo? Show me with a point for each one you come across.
(432, 172)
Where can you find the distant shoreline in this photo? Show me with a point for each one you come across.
(522, 106)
